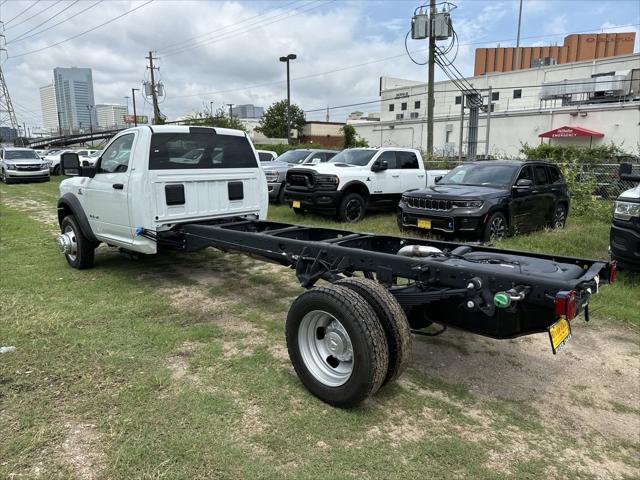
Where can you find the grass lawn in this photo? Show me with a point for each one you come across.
(175, 366)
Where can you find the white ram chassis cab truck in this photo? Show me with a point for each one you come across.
(189, 188)
(152, 178)
(357, 179)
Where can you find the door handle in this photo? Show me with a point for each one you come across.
(395, 176)
(118, 186)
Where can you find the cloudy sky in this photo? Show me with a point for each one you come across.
(227, 51)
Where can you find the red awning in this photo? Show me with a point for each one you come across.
(566, 132)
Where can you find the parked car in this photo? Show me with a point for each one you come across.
(54, 160)
(276, 172)
(489, 200)
(267, 155)
(22, 164)
(624, 239)
(355, 180)
(88, 156)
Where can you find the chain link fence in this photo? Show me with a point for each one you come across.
(602, 178)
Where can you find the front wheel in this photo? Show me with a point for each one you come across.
(496, 227)
(352, 208)
(77, 248)
(5, 178)
(337, 345)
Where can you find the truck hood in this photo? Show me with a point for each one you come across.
(328, 167)
(278, 166)
(457, 191)
(631, 194)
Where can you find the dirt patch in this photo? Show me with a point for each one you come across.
(42, 212)
(178, 364)
(81, 450)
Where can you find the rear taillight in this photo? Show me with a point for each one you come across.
(613, 269)
(566, 304)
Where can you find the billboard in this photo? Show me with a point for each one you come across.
(141, 119)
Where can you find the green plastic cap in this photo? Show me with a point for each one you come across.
(501, 300)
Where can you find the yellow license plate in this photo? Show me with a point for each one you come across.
(559, 334)
(424, 223)
(295, 204)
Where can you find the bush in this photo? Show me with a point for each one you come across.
(571, 153)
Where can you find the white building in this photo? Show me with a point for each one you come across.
(601, 95)
(110, 115)
(49, 108)
(74, 97)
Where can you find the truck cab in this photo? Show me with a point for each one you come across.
(150, 179)
(624, 240)
(355, 180)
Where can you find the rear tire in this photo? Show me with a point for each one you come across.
(496, 227)
(352, 208)
(337, 345)
(56, 170)
(559, 216)
(83, 255)
(392, 318)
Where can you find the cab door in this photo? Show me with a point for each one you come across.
(410, 174)
(107, 193)
(545, 197)
(386, 184)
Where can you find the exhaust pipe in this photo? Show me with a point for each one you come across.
(418, 251)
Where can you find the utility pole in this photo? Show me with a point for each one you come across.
(461, 127)
(135, 115)
(488, 129)
(516, 54)
(7, 113)
(59, 124)
(211, 109)
(157, 119)
(90, 108)
(430, 95)
(230, 105)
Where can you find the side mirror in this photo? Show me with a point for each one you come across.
(524, 182)
(379, 166)
(70, 164)
(437, 179)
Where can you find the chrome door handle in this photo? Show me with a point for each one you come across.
(395, 176)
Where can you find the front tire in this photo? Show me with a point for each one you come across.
(352, 208)
(559, 216)
(496, 227)
(337, 345)
(5, 178)
(81, 251)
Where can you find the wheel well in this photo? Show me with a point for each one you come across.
(356, 187)
(63, 211)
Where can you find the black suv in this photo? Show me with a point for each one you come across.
(489, 199)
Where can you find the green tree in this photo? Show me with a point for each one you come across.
(351, 138)
(215, 119)
(274, 122)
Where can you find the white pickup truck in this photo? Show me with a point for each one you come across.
(357, 179)
(152, 178)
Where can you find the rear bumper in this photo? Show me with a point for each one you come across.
(625, 246)
(325, 200)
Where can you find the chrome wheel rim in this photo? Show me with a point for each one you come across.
(353, 210)
(325, 348)
(71, 234)
(497, 228)
(560, 217)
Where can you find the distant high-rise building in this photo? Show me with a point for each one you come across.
(74, 98)
(111, 115)
(247, 111)
(49, 108)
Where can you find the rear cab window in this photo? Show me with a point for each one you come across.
(184, 151)
(407, 160)
(554, 174)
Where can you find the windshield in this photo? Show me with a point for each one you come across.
(265, 157)
(480, 175)
(294, 156)
(20, 155)
(354, 157)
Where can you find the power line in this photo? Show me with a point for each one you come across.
(349, 67)
(83, 33)
(184, 42)
(243, 31)
(21, 36)
(23, 11)
(34, 15)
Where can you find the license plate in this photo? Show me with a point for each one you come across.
(422, 223)
(559, 334)
(295, 204)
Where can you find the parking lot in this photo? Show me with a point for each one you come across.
(153, 368)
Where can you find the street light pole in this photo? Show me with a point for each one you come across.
(211, 109)
(90, 108)
(135, 115)
(287, 59)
